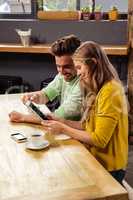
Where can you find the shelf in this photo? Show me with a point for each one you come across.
(21, 49)
(109, 49)
(116, 49)
(58, 15)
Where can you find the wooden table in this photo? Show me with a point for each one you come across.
(64, 171)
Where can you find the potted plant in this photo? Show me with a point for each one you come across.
(113, 13)
(97, 12)
(85, 13)
(40, 4)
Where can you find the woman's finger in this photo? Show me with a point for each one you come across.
(45, 123)
(50, 116)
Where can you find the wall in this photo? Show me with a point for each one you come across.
(33, 68)
(36, 67)
(104, 32)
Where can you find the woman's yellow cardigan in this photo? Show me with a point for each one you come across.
(108, 127)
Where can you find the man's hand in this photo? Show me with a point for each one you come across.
(16, 117)
(37, 97)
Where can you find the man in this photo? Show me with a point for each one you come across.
(65, 85)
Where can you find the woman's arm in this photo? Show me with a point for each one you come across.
(73, 124)
(57, 127)
(77, 134)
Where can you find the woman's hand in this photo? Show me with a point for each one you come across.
(52, 126)
(15, 116)
(52, 116)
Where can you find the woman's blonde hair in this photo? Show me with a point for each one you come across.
(100, 71)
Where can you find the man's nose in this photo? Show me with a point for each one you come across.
(61, 70)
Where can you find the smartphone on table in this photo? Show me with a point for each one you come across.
(36, 110)
(18, 137)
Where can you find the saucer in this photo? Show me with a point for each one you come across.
(62, 137)
(37, 145)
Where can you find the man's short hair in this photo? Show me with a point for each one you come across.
(65, 45)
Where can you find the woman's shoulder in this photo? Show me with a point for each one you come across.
(112, 86)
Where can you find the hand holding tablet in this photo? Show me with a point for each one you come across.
(32, 106)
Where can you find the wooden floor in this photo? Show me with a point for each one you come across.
(128, 183)
(129, 174)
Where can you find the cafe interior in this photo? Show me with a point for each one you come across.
(64, 168)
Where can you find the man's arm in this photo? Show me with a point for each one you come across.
(15, 116)
(53, 89)
(71, 107)
(38, 97)
(46, 94)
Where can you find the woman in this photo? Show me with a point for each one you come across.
(104, 124)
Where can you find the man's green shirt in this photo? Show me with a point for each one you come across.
(69, 95)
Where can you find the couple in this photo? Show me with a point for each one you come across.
(104, 122)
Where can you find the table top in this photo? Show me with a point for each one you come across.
(65, 170)
(45, 48)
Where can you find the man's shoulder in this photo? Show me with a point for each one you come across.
(76, 82)
(64, 84)
(59, 77)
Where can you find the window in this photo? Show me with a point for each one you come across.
(28, 8)
(17, 8)
(59, 5)
(106, 4)
(74, 4)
